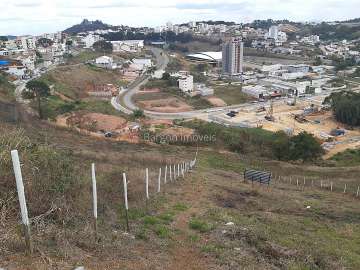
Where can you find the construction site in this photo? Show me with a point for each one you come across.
(294, 116)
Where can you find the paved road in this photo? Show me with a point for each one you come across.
(124, 101)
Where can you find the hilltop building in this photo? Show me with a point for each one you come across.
(233, 57)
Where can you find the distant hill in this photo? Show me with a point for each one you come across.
(87, 25)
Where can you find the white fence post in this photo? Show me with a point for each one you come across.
(147, 183)
(165, 175)
(126, 202)
(94, 191)
(174, 172)
(159, 180)
(345, 188)
(331, 186)
(170, 173)
(178, 170)
(22, 200)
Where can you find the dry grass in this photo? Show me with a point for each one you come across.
(181, 228)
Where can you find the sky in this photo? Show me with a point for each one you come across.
(20, 17)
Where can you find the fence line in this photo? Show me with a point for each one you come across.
(173, 175)
(324, 184)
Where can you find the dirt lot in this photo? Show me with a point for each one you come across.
(165, 105)
(217, 102)
(319, 124)
(98, 121)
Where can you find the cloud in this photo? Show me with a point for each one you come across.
(39, 16)
(216, 6)
(27, 5)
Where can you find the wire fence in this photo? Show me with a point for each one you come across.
(154, 182)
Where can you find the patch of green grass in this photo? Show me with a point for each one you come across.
(194, 238)
(212, 248)
(231, 94)
(162, 231)
(221, 162)
(150, 220)
(349, 157)
(180, 206)
(167, 217)
(200, 225)
(54, 106)
(135, 213)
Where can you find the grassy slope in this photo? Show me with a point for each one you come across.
(6, 89)
(231, 94)
(183, 228)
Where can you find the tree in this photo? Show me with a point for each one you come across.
(345, 106)
(304, 146)
(280, 145)
(38, 90)
(138, 114)
(45, 42)
(103, 46)
(166, 76)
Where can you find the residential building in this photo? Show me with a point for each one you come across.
(233, 57)
(127, 45)
(105, 62)
(186, 82)
(89, 40)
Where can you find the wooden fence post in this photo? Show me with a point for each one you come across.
(126, 202)
(22, 200)
(94, 191)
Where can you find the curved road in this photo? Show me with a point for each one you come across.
(124, 103)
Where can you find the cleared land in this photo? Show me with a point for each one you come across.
(320, 124)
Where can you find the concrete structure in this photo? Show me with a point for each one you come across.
(256, 91)
(105, 62)
(203, 89)
(186, 82)
(127, 45)
(89, 40)
(233, 57)
(273, 32)
(207, 57)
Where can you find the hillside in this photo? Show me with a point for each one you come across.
(187, 225)
(6, 89)
(87, 25)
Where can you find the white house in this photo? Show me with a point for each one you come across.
(105, 62)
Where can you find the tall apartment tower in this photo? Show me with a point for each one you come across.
(232, 57)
